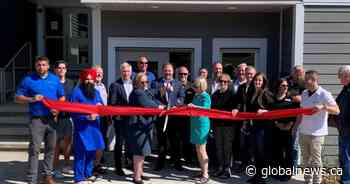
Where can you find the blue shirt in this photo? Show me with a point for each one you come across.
(50, 87)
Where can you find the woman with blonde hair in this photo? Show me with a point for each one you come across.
(140, 127)
(200, 127)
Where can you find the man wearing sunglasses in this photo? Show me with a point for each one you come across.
(64, 127)
(188, 149)
(142, 67)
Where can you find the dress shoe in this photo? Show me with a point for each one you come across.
(158, 167)
(226, 175)
(98, 169)
(137, 181)
(49, 180)
(219, 173)
(145, 178)
(178, 167)
(119, 172)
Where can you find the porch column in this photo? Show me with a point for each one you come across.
(96, 36)
(298, 35)
(40, 30)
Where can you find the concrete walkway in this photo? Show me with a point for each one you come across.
(13, 166)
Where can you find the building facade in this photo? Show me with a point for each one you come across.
(273, 35)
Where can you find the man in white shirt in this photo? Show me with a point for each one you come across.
(314, 128)
(100, 87)
(240, 76)
(217, 72)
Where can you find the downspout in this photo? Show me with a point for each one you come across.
(280, 44)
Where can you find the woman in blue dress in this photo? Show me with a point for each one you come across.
(87, 135)
(140, 127)
(200, 127)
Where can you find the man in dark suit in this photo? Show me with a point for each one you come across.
(244, 90)
(171, 93)
(213, 84)
(188, 148)
(119, 96)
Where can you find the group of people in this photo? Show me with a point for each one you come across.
(230, 146)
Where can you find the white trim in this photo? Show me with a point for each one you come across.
(96, 36)
(298, 36)
(119, 42)
(193, 2)
(327, 2)
(260, 44)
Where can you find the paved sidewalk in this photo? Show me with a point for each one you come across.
(13, 166)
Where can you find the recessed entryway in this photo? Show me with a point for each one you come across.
(160, 50)
(232, 51)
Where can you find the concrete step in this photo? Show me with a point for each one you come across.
(10, 144)
(14, 120)
(14, 107)
(13, 145)
(14, 131)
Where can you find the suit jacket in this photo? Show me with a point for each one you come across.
(243, 96)
(176, 96)
(142, 98)
(118, 97)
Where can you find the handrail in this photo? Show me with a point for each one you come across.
(16, 55)
(10, 72)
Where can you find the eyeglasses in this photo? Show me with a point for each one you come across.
(223, 81)
(183, 73)
(61, 68)
(144, 82)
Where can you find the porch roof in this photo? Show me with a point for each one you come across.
(192, 5)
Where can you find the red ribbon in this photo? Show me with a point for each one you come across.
(177, 111)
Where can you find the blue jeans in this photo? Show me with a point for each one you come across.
(295, 149)
(344, 158)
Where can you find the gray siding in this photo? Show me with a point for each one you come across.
(197, 25)
(326, 47)
(287, 41)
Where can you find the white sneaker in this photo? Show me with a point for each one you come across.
(57, 174)
(95, 178)
(67, 170)
(82, 182)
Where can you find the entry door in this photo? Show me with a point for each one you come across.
(233, 57)
(157, 57)
(252, 51)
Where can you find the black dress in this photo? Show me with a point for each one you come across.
(283, 139)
